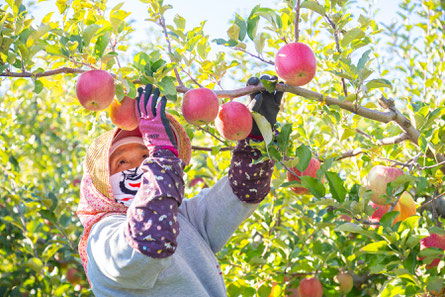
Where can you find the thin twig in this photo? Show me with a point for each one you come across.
(431, 201)
(297, 21)
(191, 77)
(350, 154)
(211, 134)
(253, 55)
(162, 24)
(113, 48)
(432, 166)
(337, 46)
(290, 170)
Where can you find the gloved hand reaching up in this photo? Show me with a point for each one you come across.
(265, 103)
(153, 123)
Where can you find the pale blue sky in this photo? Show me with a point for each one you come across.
(217, 13)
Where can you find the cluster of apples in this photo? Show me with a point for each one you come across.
(95, 91)
(233, 120)
(294, 63)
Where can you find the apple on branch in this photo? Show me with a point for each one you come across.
(296, 64)
(310, 287)
(95, 89)
(406, 206)
(377, 180)
(200, 106)
(234, 121)
(123, 114)
(433, 240)
(345, 281)
(311, 170)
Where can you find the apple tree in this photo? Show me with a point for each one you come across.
(377, 98)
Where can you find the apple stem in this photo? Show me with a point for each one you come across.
(297, 21)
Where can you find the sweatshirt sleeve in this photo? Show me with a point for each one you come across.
(153, 215)
(217, 212)
(135, 248)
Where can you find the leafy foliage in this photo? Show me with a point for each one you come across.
(45, 133)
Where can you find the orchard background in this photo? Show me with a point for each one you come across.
(377, 98)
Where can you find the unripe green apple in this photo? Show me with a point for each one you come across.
(346, 282)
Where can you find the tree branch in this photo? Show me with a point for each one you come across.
(351, 153)
(392, 114)
(209, 149)
(42, 74)
(297, 21)
(393, 140)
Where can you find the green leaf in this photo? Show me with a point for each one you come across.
(363, 60)
(351, 35)
(61, 5)
(38, 86)
(283, 136)
(269, 85)
(388, 218)
(167, 86)
(375, 247)
(336, 186)
(35, 264)
(349, 227)
(314, 6)
(313, 185)
(378, 83)
(179, 22)
(264, 126)
(293, 183)
(233, 32)
(431, 252)
(242, 27)
(252, 25)
(274, 153)
(304, 157)
(101, 45)
(14, 163)
(260, 42)
(88, 33)
(435, 283)
(34, 36)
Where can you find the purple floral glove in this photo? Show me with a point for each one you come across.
(153, 124)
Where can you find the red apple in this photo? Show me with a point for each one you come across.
(72, 275)
(378, 178)
(200, 106)
(310, 287)
(434, 240)
(123, 114)
(296, 64)
(234, 121)
(95, 89)
(346, 282)
(311, 170)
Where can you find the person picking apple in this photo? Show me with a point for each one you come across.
(141, 236)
